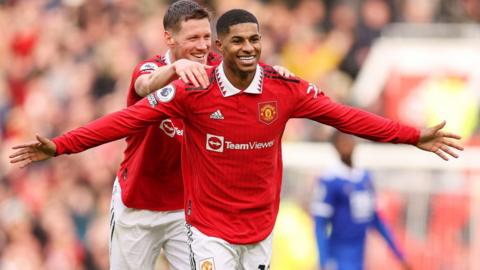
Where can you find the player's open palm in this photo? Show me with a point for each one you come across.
(434, 139)
(27, 153)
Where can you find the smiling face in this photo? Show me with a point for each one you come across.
(241, 48)
(192, 41)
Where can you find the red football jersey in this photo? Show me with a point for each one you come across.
(150, 173)
(231, 154)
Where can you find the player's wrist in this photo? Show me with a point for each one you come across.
(161, 78)
(176, 66)
(57, 147)
(173, 70)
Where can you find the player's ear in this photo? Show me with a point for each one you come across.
(218, 44)
(169, 39)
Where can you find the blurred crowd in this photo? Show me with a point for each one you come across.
(66, 62)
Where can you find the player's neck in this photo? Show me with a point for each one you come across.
(347, 162)
(239, 79)
(170, 56)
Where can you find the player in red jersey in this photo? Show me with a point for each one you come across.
(231, 156)
(147, 197)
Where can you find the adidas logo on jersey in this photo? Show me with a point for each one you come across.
(217, 115)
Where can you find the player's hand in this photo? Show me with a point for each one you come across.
(283, 71)
(193, 72)
(42, 149)
(435, 140)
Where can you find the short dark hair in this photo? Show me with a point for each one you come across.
(234, 17)
(181, 11)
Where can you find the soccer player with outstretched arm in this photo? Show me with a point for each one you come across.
(231, 153)
(147, 197)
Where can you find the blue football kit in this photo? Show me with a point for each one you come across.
(344, 209)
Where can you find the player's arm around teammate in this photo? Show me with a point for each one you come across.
(186, 70)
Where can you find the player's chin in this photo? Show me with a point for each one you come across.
(247, 67)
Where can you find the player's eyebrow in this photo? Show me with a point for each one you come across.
(245, 36)
(237, 37)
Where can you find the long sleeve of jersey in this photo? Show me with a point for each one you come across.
(322, 239)
(381, 227)
(322, 208)
(147, 111)
(315, 105)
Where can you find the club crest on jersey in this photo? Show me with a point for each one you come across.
(267, 112)
(165, 94)
(207, 264)
(148, 67)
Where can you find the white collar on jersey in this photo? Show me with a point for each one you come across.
(227, 88)
(168, 57)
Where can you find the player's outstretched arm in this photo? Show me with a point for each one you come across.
(442, 143)
(25, 154)
(106, 129)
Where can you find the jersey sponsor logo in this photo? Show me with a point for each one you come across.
(361, 205)
(149, 66)
(217, 143)
(151, 99)
(165, 94)
(170, 129)
(207, 264)
(313, 88)
(267, 112)
(249, 146)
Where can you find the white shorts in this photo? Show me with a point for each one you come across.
(137, 236)
(211, 253)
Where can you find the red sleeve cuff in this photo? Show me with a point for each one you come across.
(409, 135)
(60, 150)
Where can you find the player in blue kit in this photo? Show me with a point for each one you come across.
(344, 210)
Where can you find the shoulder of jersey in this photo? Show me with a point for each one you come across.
(190, 87)
(152, 63)
(159, 60)
(366, 173)
(270, 73)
